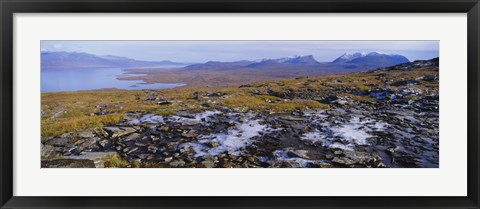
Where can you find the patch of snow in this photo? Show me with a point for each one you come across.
(281, 155)
(353, 132)
(337, 145)
(149, 119)
(233, 141)
(236, 139)
(206, 116)
(202, 117)
(179, 119)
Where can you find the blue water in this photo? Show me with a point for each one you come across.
(58, 80)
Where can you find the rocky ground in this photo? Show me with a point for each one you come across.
(391, 125)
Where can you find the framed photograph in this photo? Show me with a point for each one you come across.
(258, 104)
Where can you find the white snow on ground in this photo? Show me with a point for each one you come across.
(297, 162)
(352, 133)
(203, 117)
(206, 115)
(149, 119)
(338, 145)
(233, 141)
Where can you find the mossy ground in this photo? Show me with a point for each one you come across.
(75, 111)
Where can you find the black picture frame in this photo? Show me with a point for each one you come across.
(10, 7)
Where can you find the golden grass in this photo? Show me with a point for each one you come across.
(54, 127)
(114, 161)
(74, 111)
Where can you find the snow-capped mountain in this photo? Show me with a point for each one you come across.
(371, 57)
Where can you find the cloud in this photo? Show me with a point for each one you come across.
(43, 50)
(57, 46)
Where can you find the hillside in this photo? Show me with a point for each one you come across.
(387, 117)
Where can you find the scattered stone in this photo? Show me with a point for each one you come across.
(343, 161)
(115, 131)
(132, 137)
(85, 160)
(190, 134)
(132, 150)
(298, 153)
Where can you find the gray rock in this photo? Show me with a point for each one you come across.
(132, 150)
(291, 118)
(59, 141)
(85, 160)
(90, 143)
(298, 153)
(48, 151)
(343, 161)
(177, 163)
(115, 131)
(168, 159)
(190, 134)
(214, 144)
(208, 164)
(132, 137)
(190, 123)
(152, 149)
(104, 143)
(86, 134)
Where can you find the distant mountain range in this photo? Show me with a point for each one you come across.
(344, 63)
(85, 60)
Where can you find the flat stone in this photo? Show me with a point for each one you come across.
(132, 150)
(343, 161)
(132, 137)
(86, 134)
(48, 151)
(190, 123)
(298, 153)
(116, 131)
(208, 164)
(59, 141)
(291, 118)
(177, 163)
(85, 160)
(88, 144)
(190, 134)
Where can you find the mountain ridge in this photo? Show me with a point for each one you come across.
(355, 61)
(86, 60)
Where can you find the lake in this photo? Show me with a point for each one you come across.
(78, 79)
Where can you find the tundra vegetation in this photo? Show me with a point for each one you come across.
(387, 117)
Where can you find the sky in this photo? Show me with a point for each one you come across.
(203, 51)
